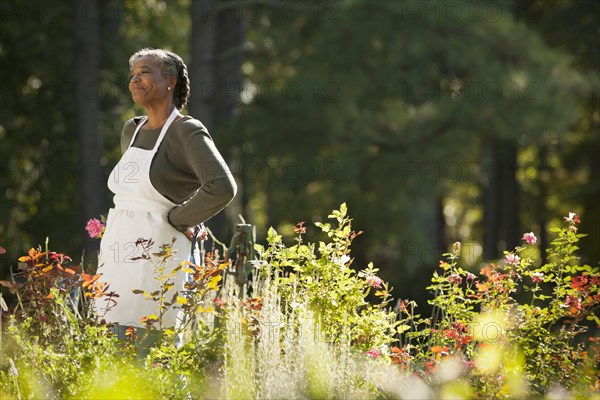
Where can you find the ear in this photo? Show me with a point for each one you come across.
(171, 81)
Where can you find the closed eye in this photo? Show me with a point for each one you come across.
(141, 72)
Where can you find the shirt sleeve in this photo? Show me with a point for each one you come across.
(217, 186)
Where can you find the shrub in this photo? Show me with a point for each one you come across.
(516, 329)
(505, 347)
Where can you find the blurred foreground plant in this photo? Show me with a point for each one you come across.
(307, 330)
(504, 346)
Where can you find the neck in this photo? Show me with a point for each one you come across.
(157, 116)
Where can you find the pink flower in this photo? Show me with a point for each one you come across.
(537, 277)
(470, 276)
(455, 279)
(512, 259)
(374, 281)
(373, 353)
(468, 364)
(529, 238)
(573, 304)
(94, 228)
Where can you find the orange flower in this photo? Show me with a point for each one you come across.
(130, 331)
(440, 349)
(300, 229)
(483, 287)
(444, 265)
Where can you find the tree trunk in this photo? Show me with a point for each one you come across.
(442, 234)
(228, 63)
(201, 71)
(501, 196)
(87, 14)
(215, 74)
(541, 209)
(509, 193)
(490, 201)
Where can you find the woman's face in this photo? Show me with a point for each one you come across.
(147, 84)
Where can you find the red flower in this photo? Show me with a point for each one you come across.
(430, 366)
(458, 333)
(580, 283)
(218, 302)
(373, 353)
(402, 306)
(537, 277)
(455, 279)
(573, 218)
(130, 331)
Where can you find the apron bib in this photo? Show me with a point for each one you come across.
(140, 212)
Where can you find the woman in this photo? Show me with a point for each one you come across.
(170, 178)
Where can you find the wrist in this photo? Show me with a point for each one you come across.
(180, 228)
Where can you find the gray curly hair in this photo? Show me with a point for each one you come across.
(170, 65)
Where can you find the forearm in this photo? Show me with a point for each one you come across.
(206, 202)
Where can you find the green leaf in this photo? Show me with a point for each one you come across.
(343, 209)
(325, 227)
(593, 317)
(272, 236)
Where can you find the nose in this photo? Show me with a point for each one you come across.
(135, 78)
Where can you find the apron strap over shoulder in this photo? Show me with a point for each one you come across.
(137, 129)
(163, 131)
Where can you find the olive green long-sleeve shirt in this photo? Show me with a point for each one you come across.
(187, 169)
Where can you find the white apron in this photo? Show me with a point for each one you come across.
(140, 212)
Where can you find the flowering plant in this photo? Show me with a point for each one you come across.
(515, 330)
(335, 292)
(95, 228)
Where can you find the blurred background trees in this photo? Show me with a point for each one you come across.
(434, 121)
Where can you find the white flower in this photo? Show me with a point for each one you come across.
(343, 260)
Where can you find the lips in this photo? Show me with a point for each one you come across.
(135, 90)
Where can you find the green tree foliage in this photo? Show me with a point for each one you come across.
(38, 146)
(390, 106)
(569, 159)
(40, 168)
